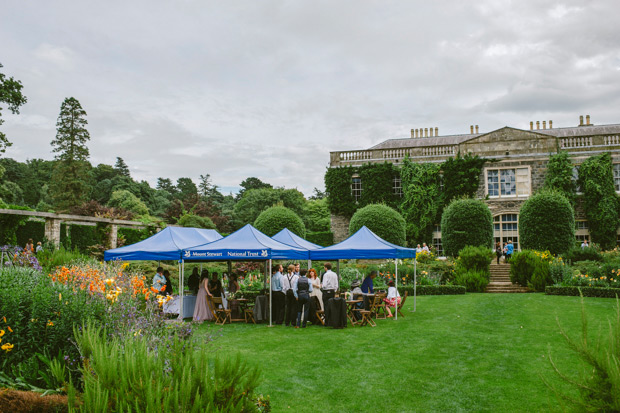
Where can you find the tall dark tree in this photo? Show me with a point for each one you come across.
(10, 94)
(252, 183)
(206, 187)
(188, 192)
(165, 184)
(69, 185)
(121, 167)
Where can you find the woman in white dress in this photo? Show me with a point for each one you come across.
(316, 286)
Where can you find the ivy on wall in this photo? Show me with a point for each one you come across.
(421, 200)
(600, 200)
(461, 177)
(9, 224)
(378, 185)
(560, 176)
(338, 188)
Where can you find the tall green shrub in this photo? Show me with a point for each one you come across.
(275, 219)
(466, 222)
(547, 222)
(195, 221)
(600, 200)
(530, 269)
(382, 220)
(476, 258)
(420, 182)
(559, 176)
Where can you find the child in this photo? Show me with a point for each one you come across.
(392, 299)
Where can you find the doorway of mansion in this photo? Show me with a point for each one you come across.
(506, 228)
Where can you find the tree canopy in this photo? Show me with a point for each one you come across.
(10, 94)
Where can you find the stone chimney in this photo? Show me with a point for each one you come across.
(537, 124)
(531, 125)
(544, 124)
(431, 130)
(436, 131)
(550, 124)
(588, 120)
(471, 129)
(581, 120)
(476, 128)
(426, 132)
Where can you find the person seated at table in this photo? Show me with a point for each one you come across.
(168, 290)
(194, 281)
(357, 294)
(392, 299)
(368, 287)
(215, 285)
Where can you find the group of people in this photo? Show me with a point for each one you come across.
(206, 287)
(424, 247)
(161, 282)
(30, 248)
(505, 251)
(367, 288)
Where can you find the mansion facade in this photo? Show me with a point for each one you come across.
(519, 171)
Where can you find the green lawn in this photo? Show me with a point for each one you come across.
(474, 352)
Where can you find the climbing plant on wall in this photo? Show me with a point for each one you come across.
(421, 200)
(600, 200)
(461, 177)
(338, 188)
(560, 176)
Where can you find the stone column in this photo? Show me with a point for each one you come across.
(113, 237)
(52, 230)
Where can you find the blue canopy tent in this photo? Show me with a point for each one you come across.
(365, 244)
(245, 244)
(167, 244)
(287, 237)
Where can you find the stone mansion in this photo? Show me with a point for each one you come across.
(522, 157)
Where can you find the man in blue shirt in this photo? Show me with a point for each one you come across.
(278, 295)
(509, 250)
(368, 287)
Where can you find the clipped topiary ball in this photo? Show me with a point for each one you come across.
(195, 221)
(466, 222)
(384, 221)
(275, 219)
(547, 222)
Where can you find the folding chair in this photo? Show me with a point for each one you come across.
(221, 314)
(377, 307)
(249, 315)
(402, 302)
(366, 319)
(320, 314)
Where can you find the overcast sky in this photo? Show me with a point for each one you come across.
(268, 88)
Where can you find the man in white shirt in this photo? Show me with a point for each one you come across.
(291, 302)
(330, 283)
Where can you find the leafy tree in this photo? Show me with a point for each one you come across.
(255, 201)
(121, 167)
(560, 176)
(206, 189)
(384, 221)
(547, 222)
(195, 221)
(70, 176)
(126, 200)
(275, 219)
(252, 183)
(317, 194)
(600, 200)
(187, 190)
(316, 215)
(420, 182)
(11, 94)
(466, 222)
(165, 184)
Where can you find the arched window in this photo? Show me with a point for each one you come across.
(506, 228)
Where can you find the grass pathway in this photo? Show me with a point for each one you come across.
(476, 352)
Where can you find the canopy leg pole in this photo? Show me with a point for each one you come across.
(181, 281)
(338, 271)
(270, 297)
(229, 267)
(415, 281)
(396, 281)
(309, 264)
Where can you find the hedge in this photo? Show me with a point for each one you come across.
(384, 221)
(133, 235)
(30, 229)
(80, 237)
(322, 238)
(466, 222)
(433, 290)
(275, 219)
(585, 291)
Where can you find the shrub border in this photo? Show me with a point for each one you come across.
(585, 291)
(433, 290)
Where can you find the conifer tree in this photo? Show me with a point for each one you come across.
(69, 185)
(121, 167)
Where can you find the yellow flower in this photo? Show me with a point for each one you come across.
(1, 333)
(50, 323)
(7, 347)
(11, 330)
(109, 281)
(59, 296)
(4, 318)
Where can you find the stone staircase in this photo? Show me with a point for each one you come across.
(500, 280)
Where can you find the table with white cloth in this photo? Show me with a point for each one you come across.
(189, 302)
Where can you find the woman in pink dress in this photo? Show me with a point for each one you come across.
(201, 309)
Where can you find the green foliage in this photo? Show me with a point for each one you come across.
(177, 377)
(132, 235)
(322, 238)
(584, 291)
(50, 258)
(473, 258)
(252, 183)
(194, 221)
(384, 221)
(599, 384)
(80, 237)
(559, 176)
(600, 200)
(433, 290)
(338, 187)
(541, 276)
(420, 182)
(32, 178)
(558, 271)
(547, 222)
(11, 94)
(30, 229)
(474, 281)
(255, 201)
(9, 224)
(461, 177)
(128, 201)
(530, 268)
(583, 254)
(316, 215)
(377, 184)
(466, 222)
(275, 219)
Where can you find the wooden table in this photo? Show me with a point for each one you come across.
(243, 303)
(351, 307)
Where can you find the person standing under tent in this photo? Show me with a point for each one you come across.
(297, 267)
(316, 286)
(368, 287)
(201, 309)
(330, 284)
(193, 281)
(215, 286)
(302, 287)
(168, 287)
(159, 281)
(278, 296)
(291, 302)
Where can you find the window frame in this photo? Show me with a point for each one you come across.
(519, 191)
